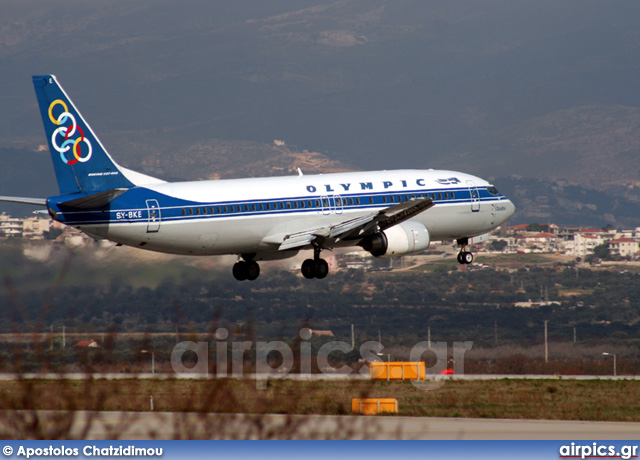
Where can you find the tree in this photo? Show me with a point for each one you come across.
(498, 245)
(602, 251)
(537, 228)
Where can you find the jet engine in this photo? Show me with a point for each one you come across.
(405, 238)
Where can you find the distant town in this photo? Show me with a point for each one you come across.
(579, 242)
(582, 242)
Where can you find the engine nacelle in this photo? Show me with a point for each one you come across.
(405, 238)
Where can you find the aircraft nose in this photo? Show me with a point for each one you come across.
(511, 209)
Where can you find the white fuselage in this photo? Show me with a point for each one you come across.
(243, 216)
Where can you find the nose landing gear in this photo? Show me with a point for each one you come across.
(465, 257)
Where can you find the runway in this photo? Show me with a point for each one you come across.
(167, 425)
(303, 377)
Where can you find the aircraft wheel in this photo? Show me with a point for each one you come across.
(322, 268)
(460, 258)
(241, 270)
(468, 257)
(253, 270)
(308, 269)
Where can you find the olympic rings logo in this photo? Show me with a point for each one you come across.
(67, 132)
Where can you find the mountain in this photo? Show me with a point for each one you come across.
(545, 89)
(595, 146)
(559, 202)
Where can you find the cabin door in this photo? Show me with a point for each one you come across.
(475, 196)
(153, 213)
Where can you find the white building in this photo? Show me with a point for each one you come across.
(34, 227)
(10, 227)
(624, 247)
(538, 242)
(584, 244)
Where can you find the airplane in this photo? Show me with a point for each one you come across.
(387, 213)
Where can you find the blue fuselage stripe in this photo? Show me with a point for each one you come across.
(122, 211)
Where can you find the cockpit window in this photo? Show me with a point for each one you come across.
(494, 191)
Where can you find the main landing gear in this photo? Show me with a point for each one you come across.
(464, 256)
(246, 270)
(316, 267)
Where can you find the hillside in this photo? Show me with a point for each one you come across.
(594, 146)
(546, 90)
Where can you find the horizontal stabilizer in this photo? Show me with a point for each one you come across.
(97, 200)
(17, 199)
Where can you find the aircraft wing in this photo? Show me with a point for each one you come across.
(358, 227)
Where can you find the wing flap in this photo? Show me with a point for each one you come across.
(297, 240)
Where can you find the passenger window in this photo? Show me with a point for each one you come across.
(358, 200)
(453, 196)
(184, 212)
(197, 211)
(211, 210)
(370, 200)
(204, 210)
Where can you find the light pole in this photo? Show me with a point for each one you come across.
(546, 342)
(153, 360)
(615, 371)
(64, 337)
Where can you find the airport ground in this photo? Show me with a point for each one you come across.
(599, 304)
(193, 425)
(132, 408)
(543, 399)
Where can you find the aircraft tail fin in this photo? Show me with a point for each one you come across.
(80, 161)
